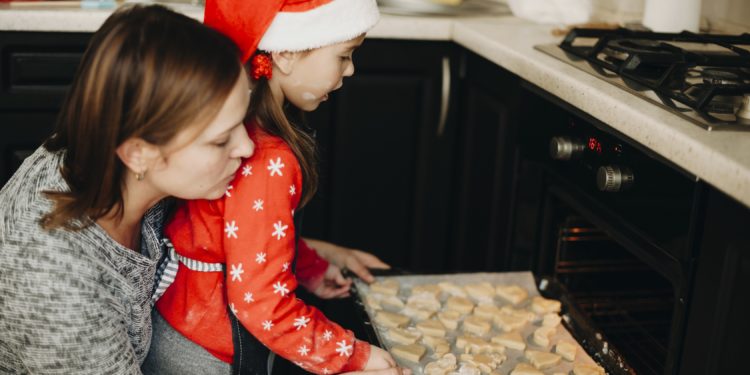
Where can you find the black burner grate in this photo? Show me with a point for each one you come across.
(705, 73)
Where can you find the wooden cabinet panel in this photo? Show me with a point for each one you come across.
(36, 70)
(489, 105)
(718, 327)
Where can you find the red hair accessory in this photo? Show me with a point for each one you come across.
(261, 66)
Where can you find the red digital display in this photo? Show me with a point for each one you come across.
(595, 145)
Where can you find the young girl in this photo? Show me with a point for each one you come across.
(155, 94)
(299, 52)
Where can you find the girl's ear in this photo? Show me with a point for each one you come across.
(285, 61)
(138, 155)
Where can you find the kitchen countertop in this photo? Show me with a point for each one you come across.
(720, 158)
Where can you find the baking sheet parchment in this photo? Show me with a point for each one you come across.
(523, 279)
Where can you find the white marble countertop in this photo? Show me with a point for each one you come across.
(720, 158)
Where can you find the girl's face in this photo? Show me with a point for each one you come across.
(202, 166)
(318, 72)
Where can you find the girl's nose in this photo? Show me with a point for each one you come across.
(349, 69)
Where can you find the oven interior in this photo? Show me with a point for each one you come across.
(630, 303)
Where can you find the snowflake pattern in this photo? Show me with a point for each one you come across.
(343, 349)
(323, 334)
(237, 272)
(279, 230)
(231, 229)
(249, 297)
(247, 170)
(280, 288)
(267, 324)
(327, 335)
(301, 322)
(275, 167)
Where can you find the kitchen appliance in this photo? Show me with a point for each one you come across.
(611, 222)
(703, 78)
(608, 227)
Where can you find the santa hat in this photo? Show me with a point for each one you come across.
(290, 25)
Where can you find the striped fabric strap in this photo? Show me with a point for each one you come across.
(168, 269)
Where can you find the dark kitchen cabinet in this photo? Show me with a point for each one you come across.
(488, 103)
(387, 140)
(36, 70)
(717, 325)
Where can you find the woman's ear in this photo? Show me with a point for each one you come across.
(285, 61)
(138, 155)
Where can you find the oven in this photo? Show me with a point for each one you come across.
(612, 226)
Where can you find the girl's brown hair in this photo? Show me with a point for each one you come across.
(148, 72)
(275, 120)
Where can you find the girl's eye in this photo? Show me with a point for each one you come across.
(344, 58)
(221, 144)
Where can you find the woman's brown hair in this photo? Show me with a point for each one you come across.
(148, 72)
(275, 120)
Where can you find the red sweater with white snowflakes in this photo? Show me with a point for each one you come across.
(251, 231)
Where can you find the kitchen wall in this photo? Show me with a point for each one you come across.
(731, 16)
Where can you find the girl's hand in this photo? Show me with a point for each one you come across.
(354, 260)
(334, 284)
(379, 359)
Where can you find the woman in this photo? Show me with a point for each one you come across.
(155, 111)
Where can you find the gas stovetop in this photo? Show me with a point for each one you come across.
(704, 78)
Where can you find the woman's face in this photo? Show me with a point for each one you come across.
(202, 166)
(318, 72)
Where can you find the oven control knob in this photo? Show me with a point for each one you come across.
(566, 148)
(614, 178)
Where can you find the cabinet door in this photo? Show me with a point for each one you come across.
(36, 70)
(718, 325)
(489, 106)
(386, 140)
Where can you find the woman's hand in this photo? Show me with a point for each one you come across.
(334, 284)
(357, 261)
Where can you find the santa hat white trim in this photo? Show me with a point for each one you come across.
(331, 23)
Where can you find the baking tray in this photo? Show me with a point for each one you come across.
(577, 327)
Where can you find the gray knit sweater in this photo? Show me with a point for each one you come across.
(70, 302)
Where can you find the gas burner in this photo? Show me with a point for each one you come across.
(641, 46)
(719, 104)
(715, 76)
(704, 78)
(619, 50)
(614, 55)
